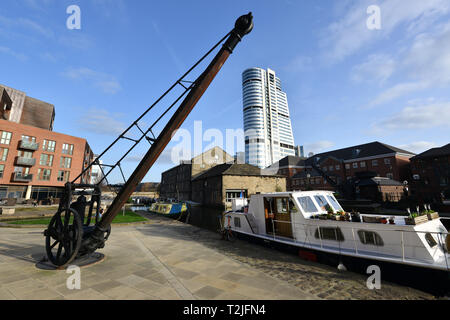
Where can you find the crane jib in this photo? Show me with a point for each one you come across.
(90, 238)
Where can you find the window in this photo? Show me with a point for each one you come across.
(334, 203)
(46, 160)
(292, 207)
(318, 181)
(237, 222)
(44, 174)
(25, 154)
(67, 149)
(3, 154)
(281, 204)
(389, 175)
(370, 238)
(325, 169)
(362, 164)
(338, 167)
(65, 162)
(331, 168)
(355, 165)
(322, 202)
(63, 176)
(6, 137)
(307, 204)
(430, 240)
(49, 145)
(347, 166)
(2, 169)
(374, 163)
(28, 138)
(327, 233)
(387, 161)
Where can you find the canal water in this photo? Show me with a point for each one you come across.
(203, 217)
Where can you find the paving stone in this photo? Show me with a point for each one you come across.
(208, 292)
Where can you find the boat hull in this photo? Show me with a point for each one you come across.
(171, 210)
(436, 282)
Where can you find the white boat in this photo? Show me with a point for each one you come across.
(296, 219)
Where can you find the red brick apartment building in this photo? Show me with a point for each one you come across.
(377, 158)
(36, 162)
(430, 175)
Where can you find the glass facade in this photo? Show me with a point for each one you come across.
(267, 124)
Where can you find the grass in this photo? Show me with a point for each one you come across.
(129, 217)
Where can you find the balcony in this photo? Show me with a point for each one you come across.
(20, 177)
(28, 145)
(28, 162)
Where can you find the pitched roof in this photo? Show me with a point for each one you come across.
(360, 151)
(234, 169)
(379, 181)
(434, 152)
(289, 161)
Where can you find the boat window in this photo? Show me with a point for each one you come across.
(327, 233)
(282, 205)
(323, 203)
(237, 222)
(292, 207)
(370, 237)
(307, 204)
(334, 203)
(430, 240)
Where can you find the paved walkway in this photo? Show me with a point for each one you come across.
(161, 260)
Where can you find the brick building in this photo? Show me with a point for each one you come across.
(325, 171)
(289, 166)
(176, 182)
(430, 175)
(222, 183)
(36, 162)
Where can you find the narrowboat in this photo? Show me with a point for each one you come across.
(316, 226)
(172, 210)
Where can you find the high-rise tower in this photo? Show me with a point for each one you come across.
(267, 122)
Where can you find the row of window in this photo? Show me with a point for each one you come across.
(45, 160)
(355, 165)
(47, 145)
(42, 174)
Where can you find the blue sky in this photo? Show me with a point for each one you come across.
(346, 84)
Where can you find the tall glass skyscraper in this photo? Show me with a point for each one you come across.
(267, 123)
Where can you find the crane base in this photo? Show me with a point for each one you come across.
(81, 262)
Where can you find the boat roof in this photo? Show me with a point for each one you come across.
(303, 193)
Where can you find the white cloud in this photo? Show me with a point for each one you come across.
(171, 156)
(377, 68)
(17, 55)
(397, 91)
(418, 146)
(27, 24)
(102, 122)
(103, 81)
(350, 34)
(416, 117)
(318, 146)
(426, 64)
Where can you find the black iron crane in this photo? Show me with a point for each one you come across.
(70, 234)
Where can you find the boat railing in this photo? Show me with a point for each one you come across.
(305, 229)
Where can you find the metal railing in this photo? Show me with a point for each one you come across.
(22, 161)
(20, 177)
(359, 248)
(29, 145)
